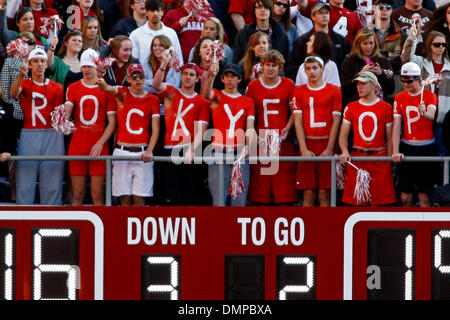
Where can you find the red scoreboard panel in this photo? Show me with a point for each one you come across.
(210, 253)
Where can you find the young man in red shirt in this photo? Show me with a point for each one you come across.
(370, 120)
(233, 117)
(417, 138)
(273, 183)
(137, 110)
(186, 116)
(91, 109)
(38, 97)
(317, 112)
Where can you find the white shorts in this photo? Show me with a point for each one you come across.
(132, 177)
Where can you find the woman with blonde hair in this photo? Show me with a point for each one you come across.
(365, 56)
(92, 34)
(213, 29)
(160, 43)
(258, 45)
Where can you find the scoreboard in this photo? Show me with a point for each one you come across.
(211, 253)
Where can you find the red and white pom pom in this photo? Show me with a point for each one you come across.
(416, 19)
(195, 8)
(61, 122)
(257, 70)
(340, 175)
(434, 78)
(237, 186)
(270, 143)
(51, 25)
(103, 64)
(215, 52)
(362, 15)
(174, 61)
(379, 91)
(362, 187)
(18, 49)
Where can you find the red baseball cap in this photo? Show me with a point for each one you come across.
(135, 67)
(192, 65)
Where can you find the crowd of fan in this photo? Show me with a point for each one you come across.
(346, 40)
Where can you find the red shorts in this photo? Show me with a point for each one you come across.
(81, 145)
(274, 182)
(381, 184)
(314, 175)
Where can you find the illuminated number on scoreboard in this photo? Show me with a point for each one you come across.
(7, 263)
(393, 251)
(244, 277)
(160, 277)
(296, 277)
(55, 264)
(440, 272)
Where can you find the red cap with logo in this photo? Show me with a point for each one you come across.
(192, 65)
(135, 67)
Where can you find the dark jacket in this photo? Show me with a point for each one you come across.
(7, 139)
(351, 66)
(391, 47)
(279, 41)
(124, 27)
(341, 47)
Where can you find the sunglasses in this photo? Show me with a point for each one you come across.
(385, 6)
(281, 4)
(408, 81)
(135, 76)
(439, 44)
(30, 42)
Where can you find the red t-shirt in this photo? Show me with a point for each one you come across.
(415, 127)
(317, 106)
(90, 106)
(243, 7)
(180, 114)
(271, 102)
(133, 115)
(38, 101)
(229, 116)
(369, 122)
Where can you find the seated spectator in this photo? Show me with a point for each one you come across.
(38, 97)
(319, 44)
(365, 56)
(416, 116)
(137, 19)
(188, 27)
(92, 34)
(302, 23)
(24, 21)
(241, 13)
(440, 21)
(65, 67)
(200, 58)
(41, 12)
(402, 16)
(159, 45)
(258, 45)
(282, 15)
(132, 181)
(213, 29)
(262, 11)
(120, 50)
(320, 15)
(434, 60)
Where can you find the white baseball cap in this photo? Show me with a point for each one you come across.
(410, 69)
(37, 53)
(87, 58)
(366, 76)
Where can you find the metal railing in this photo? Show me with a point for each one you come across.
(228, 160)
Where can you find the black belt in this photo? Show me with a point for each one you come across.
(369, 151)
(131, 149)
